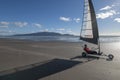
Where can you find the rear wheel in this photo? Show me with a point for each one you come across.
(84, 54)
(110, 56)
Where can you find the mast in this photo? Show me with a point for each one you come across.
(99, 46)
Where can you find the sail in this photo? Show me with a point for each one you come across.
(89, 30)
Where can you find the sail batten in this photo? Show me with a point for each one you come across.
(89, 30)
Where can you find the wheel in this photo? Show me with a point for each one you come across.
(84, 54)
(110, 56)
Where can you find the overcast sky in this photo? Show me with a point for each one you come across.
(63, 16)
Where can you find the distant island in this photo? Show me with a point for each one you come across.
(44, 34)
(57, 34)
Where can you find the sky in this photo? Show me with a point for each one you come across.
(63, 16)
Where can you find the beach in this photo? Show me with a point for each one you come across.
(56, 60)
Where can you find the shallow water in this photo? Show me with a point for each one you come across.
(105, 39)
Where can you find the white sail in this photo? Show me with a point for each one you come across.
(89, 30)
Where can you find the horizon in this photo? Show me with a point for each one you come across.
(106, 35)
(65, 16)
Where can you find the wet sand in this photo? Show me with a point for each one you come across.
(28, 60)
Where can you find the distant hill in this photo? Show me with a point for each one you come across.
(44, 34)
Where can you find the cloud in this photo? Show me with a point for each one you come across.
(107, 14)
(117, 19)
(4, 24)
(66, 19)
(111, 33)
(20, 24)
(106, 8)
(3, 31)
(6, 31)
(37, 25)
(69, 31)
(61, 29)
(46, 30)
(113, 5)
(77, 20)
(66, 31)
(108, 11)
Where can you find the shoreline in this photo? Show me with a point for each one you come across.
(71, 40)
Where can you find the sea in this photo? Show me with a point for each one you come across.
(106, 39)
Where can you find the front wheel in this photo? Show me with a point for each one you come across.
(110, 56)
(84, 54)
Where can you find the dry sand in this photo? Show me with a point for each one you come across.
(28, 60)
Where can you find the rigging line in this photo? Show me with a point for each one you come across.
(82, 19)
